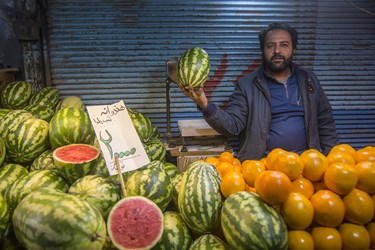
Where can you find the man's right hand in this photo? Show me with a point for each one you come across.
(197, 95)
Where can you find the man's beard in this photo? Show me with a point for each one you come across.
(277, 68)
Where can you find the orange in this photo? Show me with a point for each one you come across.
(373, 200)
(314, 164)
(329, 209)
(359, 207)
(340, 156)
(365, 154)
(213, 160)
(231, 183)
(225, 167)
(304, 186)
(290, 164)
(297, 211)
(354, 237)
(271, 157)
(366, 176)
(273, 186)
(319, 185)
(226, 157)
(236, 162)
(326, 238)
(250, 170)
(343, 148)
(371, 230)
(340, 178)
(300, 239)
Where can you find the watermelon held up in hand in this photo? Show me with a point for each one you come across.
(135, 222)
(75, 160)
(193, 67)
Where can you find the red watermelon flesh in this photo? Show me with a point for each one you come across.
(76, 153)
(135, 222)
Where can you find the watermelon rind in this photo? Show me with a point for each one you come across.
(199, 197)
(16, 95)
(43, 161)
(70, 125)
(135, 222)
(2, 151)
(12, 119)
(155, 149)
(28, 141)
(209, 241)
(98, 191)
(152, 182)
(46, 97)
(31, 181)
(176, 234)
(248, 223)
(51, 219)
(73, 170)
(71, 102)
(4, 216)
(9, 173)
(193, 67)
(142, 124)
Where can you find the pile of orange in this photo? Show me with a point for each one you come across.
(327, 202)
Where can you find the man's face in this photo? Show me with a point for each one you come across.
(278, 50)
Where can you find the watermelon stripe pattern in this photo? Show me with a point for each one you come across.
(4, 216)
(193, 67)
(70, 125)
(209, 241)
(46, 97)
(98, 191)
(66, 223)
(29, 140)
(199, 198)
(151, 182)
(9, 173)
(142, 124)
(12, 119)
(270, 231)
(27, 183)
(16, 95)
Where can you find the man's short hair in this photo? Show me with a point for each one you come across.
(278, 26)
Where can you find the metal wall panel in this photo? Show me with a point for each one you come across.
(106, 51)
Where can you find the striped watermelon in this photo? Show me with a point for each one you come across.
(41, 112)
(176, 183)
(199, 197)
(29, 140)
(249, 223)
(9, 173)
(46, 97)
(2, 151)
(43, 161)
(4, 216)
(3, 112)
(193, 67)
(155, 149)
(171, 169)
(51, 219)
(100, 168)
(75, 160)
(209, 241)
(98, 191)
(12, 119)
(70, 125)
(151, 182)
(28, 182)
(16, 95)
(176, 234)
(71, 102)
(142, 124)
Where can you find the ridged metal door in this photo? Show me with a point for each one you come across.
(106, 51)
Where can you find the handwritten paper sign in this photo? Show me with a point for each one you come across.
(117, 137)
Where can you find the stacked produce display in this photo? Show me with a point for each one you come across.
(56, 192)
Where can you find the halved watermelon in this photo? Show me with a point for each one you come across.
(74, 161)
(135, 222)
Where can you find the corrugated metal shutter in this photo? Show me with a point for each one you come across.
(106, 51)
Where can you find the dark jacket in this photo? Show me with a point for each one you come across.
(248, 114)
